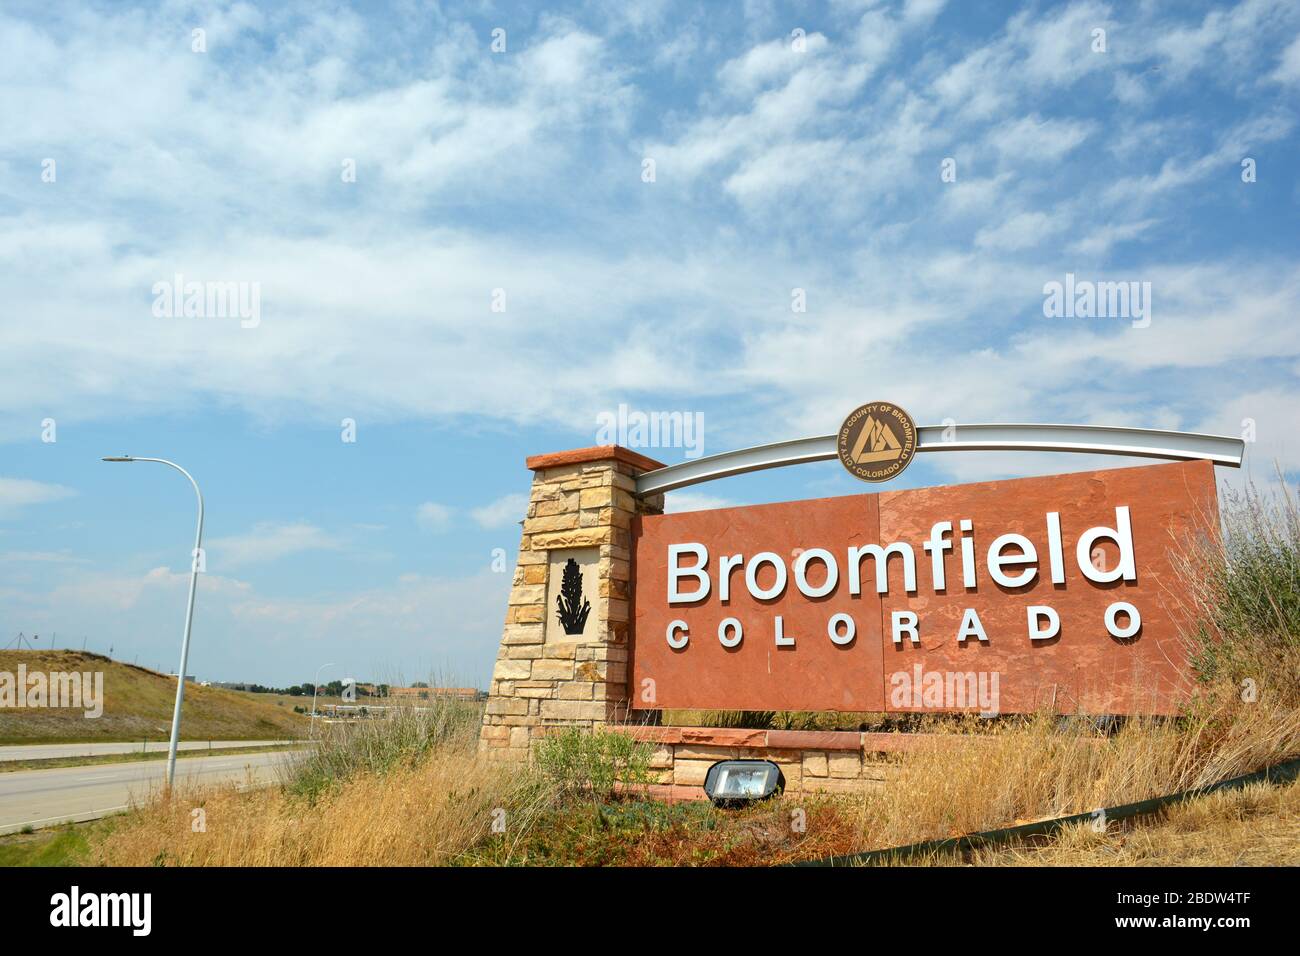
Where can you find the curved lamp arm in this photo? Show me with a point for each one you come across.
(189, 611)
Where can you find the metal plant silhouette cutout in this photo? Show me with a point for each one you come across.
(573, 607)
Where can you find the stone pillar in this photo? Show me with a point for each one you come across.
(564, 651)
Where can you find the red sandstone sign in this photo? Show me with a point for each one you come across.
(1004, 596)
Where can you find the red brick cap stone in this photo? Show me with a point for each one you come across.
(580, 456)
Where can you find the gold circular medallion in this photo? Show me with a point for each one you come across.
(877, 441)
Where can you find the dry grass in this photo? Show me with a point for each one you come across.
(1257, 826)
(416, 815)
(1039, 771)
(410, 790)
(438, 807)
(418, 793)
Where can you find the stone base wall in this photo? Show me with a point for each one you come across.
(581, 506)
(810, 761)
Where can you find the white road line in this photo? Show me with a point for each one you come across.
(11, 752)
(76, 794)
(95, 813)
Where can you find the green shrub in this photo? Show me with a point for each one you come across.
(377, 745)
(1246, 586)
(582, 764)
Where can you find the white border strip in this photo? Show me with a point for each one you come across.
(1087, 439)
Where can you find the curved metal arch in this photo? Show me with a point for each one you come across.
(1089, 439)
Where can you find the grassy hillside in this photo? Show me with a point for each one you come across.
(138, 706)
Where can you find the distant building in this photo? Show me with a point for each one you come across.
(429, 693)
(376, 691)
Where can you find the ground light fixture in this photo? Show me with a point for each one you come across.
(195, 562)
(735, 783)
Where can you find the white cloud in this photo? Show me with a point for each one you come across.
(1099, 240)
(1034, 139)
(95, 592)
(922, 10)
(1288, 67)
(977, 85)
(269, 541)
(1180, 172)
(1268, 417)
(762, 64)
(968, 196)
(1224, 43)
(504, 511)
(1057, 48)
(1022, 230)
(41, 557)
(434, 517)
(16, 493)
(365, 302)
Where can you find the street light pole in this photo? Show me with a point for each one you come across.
(189, 613)
(315, 685)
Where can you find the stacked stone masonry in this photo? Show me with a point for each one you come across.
(580, 499)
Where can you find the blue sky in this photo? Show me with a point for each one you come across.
(782, 161)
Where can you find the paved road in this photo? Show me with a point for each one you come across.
(41, 798)
(44, 751)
